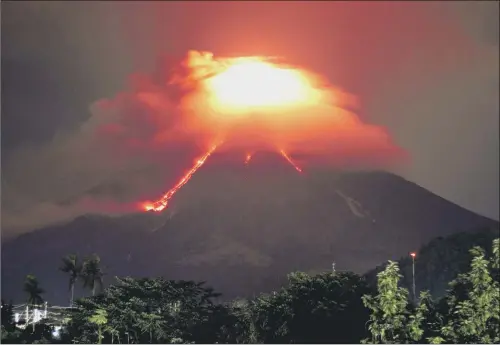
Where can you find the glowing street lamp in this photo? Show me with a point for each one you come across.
(413, 255)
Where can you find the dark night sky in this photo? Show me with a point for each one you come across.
(427, 71)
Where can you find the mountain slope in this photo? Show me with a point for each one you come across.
(243, 239)
(441, 260)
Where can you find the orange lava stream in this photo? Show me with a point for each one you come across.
(162, 203)
(287, 157)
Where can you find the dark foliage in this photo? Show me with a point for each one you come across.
(335, 307)
(325, 308)
(147, 311)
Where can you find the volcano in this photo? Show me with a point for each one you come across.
(243, 229)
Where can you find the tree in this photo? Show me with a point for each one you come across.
(73, 268)
(474, 303)
(389, 317)
(495, 259)
(113, 332)
(33, 290)
(152, 324)
(425, 321)
(325, 308)
(470, 313)
(100, 319)
(149, 310)
(236, 322)
(92, 273)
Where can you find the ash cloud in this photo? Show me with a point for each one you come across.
(426, 70)
(323, 124)
(122, 154)
(135, 145)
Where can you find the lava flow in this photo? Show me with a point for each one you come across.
(162, 203)
(287, 157)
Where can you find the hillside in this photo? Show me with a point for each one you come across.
(245, 239)
(441, 260)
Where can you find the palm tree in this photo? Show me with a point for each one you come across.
(92, 273)
(71, 266)
(34, 292)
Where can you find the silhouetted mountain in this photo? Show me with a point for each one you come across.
(441, 260)
(243, 238)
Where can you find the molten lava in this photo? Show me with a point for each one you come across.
(287, 157)
(162, 203)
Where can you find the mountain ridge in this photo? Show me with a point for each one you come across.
(244, 240)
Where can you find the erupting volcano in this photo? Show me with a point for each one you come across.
(247, 105)
(243, 86)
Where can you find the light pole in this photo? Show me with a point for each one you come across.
(413, 255)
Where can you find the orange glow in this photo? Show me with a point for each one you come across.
(258, 102)
(248, 158)
(162, 203)
(250, 82)
(287, 157)
(413, 255)
(250, 103)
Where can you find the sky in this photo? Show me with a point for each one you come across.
(427, 72)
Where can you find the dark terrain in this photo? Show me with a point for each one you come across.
(244, 239)
(441, 260)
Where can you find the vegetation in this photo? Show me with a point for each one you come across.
(11, 334)
(92, 274)
(99, 319)
(73, 268)
(440, 261)
(337, 307)
(311, 307)
(468, 314)
(33, 290)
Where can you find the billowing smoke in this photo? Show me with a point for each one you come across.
(135, 145)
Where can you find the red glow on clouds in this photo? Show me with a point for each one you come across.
(246, 104)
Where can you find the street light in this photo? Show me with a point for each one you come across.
(413, 255)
